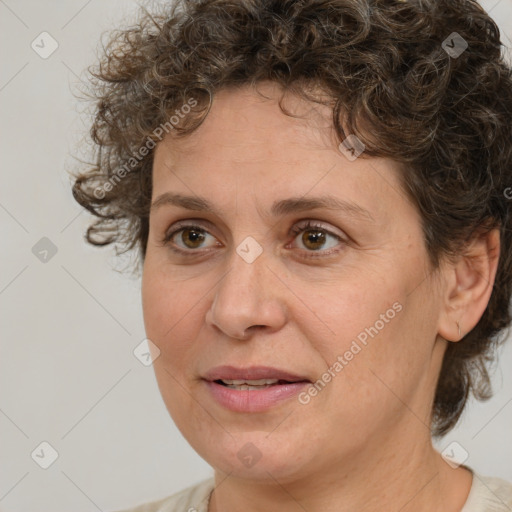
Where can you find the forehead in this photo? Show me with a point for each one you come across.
(246, 142)
(250, 115)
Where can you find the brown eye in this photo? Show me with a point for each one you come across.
(313, 239)
(192, 238)
(189, 238)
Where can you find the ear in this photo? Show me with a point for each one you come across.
(468, 286)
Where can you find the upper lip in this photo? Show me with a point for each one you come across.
(251, 373)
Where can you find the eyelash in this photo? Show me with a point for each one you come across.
(295, 230)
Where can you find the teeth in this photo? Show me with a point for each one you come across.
(246, 384)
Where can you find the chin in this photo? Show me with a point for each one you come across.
(253, 455)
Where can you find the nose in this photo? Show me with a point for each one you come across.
(249, 298)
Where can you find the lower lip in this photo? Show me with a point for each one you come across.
(254, 400)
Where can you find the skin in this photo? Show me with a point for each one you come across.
(362, 443)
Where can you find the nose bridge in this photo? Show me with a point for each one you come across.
(244, 277)
(245, 296)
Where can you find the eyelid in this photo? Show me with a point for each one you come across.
(179, 226)
(308, 225)
(189, 223)
(296, 228)
(313, 224)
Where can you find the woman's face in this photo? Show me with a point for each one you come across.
(335, 325)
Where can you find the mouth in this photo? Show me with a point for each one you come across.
(254, 389)
(254, 376)
(252, 385)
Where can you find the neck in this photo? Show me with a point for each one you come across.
(405, 476)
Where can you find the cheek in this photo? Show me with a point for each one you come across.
(363, 335)
(386, 361)
(170, 309)
(348, 310)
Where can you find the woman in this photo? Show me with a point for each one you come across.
(318, 191)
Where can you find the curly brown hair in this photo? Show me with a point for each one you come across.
(390, 78)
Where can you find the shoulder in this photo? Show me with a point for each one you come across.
(489, 494)
(191, 499)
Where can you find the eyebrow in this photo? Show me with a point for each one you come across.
(278, 208)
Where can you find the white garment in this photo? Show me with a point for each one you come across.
(487, 494)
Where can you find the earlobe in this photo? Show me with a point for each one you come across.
(469, 285)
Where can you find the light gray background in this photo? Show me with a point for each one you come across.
(69, 325)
